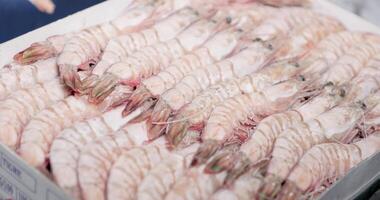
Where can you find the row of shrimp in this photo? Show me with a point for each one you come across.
(179, 99)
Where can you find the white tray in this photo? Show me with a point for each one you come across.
(17, 179)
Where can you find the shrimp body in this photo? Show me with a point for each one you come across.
(349, 65)
(127, 44)
(17, 110)
(162, 177)
(152, 59)
(245, 187)
(97, 158)
(158, 182)
(195, 185)
(40, 132)
(292, 143)
(65, 150)
(130, 169)
(326, 162)
(366, 82)
(308, 38)
(22, 77)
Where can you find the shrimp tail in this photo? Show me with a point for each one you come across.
(88, 84)
(158, 120)
(117, 97)
(36, 51)
(155, 130)
(271, 187)
(70, 77)
(140, 97)
(177, 132)
(223, 161)
(290, 191)
(207, 149)
(241, 167)
(146, 113)
(105, 86)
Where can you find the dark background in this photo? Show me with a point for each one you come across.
(20, 16)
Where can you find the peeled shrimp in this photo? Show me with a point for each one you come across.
(22, 77)
(65, 150)
(158, 182)
(335, 125)
(195, 185)
(216, 49)
(130, 168)
(97, 158)
(127, 44)
(40, 132)
(19, 108)
(327, 162)
(152, 59)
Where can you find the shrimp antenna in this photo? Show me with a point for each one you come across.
(178, 120)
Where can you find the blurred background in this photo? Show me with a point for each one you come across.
(20, 16)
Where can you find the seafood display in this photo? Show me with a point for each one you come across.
(183, 99)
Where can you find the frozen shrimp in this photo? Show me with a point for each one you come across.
(54, 45)
(17, 110)
(326, 162)
(47, 124)
(195, 185)
(136, 74)
(195, 114)
(22, 77)
(65, 149)
(97, 158)
(82, 52)
(151, 60)
(336, 124)
(245, 62)
(227, 117)
(216, 49)
(258, 147)
(158, 182)
(244, 109)
(127, 44)
(130, 168)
